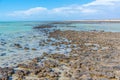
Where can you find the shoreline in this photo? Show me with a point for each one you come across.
(93, 55)
(87, 21)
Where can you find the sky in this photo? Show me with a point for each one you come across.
(46, 10)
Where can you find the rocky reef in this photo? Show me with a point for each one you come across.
(43, 26)
(74, 56)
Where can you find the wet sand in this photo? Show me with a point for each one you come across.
(94, 56)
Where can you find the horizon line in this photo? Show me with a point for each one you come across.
(60, 20)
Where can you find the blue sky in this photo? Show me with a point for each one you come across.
(11, 10)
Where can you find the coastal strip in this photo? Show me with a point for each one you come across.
(93, 56)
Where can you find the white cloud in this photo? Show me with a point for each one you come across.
(94, 9)
(102, 3)
(68, 9)
(73, 10)
(58, 11)
(29, 12)
(89, 11)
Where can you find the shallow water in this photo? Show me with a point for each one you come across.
(108, 27)
(21, 33)
(11, 27)
(12, 33)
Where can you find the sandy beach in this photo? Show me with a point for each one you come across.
(72, 55)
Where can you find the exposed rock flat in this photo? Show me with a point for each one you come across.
(90, 56)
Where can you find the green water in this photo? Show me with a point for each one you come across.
(10, 27)
(108, 27)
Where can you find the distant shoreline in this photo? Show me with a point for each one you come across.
(107, 20)
(95, 21)
(86, 21)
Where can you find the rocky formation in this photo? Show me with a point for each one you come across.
(92, 56)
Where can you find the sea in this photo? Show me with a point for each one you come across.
(21, 26)
(22, 34)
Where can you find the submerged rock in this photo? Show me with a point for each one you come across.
(2, 54)
(18, 45)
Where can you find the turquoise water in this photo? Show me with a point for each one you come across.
(10, 27)
(12, 33)
(108, 27)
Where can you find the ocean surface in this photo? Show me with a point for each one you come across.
(16, 37)
(11, 27)
(108, 27)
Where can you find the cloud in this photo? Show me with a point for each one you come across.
(68, 9)
(72, 9)
(95, 9)
(102, 3)
(56, 11)
(29, 12)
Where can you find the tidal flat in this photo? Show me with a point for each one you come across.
(49, 53)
